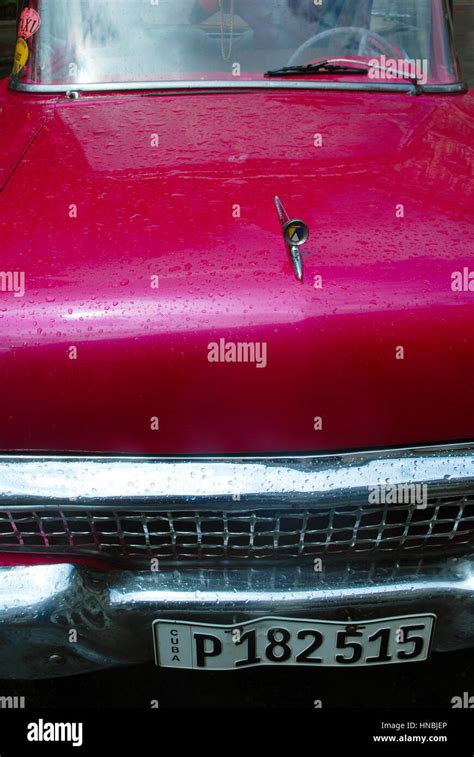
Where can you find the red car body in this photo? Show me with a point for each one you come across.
(331, 351)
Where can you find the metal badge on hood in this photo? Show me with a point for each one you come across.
(295, 233)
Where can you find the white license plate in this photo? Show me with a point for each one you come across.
(286, 641)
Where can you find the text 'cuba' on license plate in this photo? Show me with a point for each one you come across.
(286, 641)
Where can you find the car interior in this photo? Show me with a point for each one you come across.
(196, 38)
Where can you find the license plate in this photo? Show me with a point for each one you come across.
(286, 641)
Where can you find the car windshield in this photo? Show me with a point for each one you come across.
(94, 42)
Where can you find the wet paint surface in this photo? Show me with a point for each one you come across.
(93, 211)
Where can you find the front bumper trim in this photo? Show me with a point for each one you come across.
(276, 482)
(113, 612)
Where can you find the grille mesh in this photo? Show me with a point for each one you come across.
(180, 535)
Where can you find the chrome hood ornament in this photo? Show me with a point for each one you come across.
(295, 233)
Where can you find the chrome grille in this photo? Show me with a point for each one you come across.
(447, 522)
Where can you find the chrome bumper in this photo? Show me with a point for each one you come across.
(112, 612)
(96, 481)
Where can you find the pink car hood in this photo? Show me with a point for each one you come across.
(148, 237)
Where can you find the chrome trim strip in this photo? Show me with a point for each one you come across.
(233, 482)
(113, 611)
(183, 87)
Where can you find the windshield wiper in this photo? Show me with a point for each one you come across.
(324, 67)
(333, 66)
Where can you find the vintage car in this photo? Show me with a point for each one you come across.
(236, 336)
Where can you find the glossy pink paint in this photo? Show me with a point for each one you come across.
(169, 211)
(10, 559)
